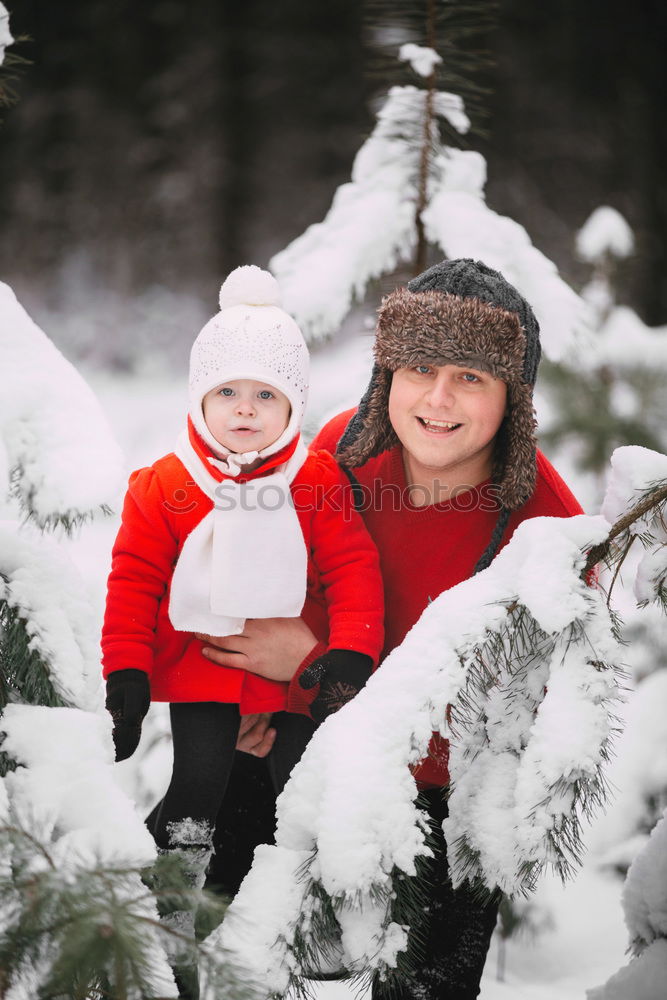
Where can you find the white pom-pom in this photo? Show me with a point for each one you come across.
(250, 286)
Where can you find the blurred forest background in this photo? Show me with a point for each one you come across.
(157, 145)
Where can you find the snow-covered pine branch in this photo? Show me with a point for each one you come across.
(458, 220)
(72, 837)
(49, 652)
(371, 227)
(529, 733)
(64, 462)
(605, 233)
(6, 38)
(75, 916)
(636, 503)
(645, 908)
(57, 448)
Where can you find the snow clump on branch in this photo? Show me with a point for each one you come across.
(58, 443)
(371, 227)
(422, 59)
(350, 805)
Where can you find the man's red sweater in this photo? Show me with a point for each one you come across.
(425, 550)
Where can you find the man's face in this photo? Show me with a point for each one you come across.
(244, 415)
(447, 418)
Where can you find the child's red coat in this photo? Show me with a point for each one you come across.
(162, 506)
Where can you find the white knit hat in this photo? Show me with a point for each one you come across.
(250, 338)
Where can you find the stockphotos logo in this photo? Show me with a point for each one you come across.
(340, 499)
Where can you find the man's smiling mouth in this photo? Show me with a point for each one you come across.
(438, 426)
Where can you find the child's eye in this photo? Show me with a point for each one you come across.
(226, 391)
(265, 394)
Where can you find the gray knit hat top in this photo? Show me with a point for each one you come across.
(471, 279)
(457, 312)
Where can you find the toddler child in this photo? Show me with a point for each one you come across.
(240, 521)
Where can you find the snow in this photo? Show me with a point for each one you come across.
(451, 108)
(652, 572)
(66, 788)
(422, 59)
(635, 470)
(623, 341)
(348, 815)
(63, 793)
(459, 220)
(41, 584)
(5, 34)
(4, 470)
(51, 424)
(637, 773)
(587, 942)
(587, 945)
(66, 797)
(373, 217)
(605, 232)
(645, 891)
(350, 799)
(261, 956)
(643, 979)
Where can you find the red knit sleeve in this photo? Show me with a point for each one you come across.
(141, 566)
(348, 564)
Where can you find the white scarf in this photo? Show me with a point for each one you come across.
(246, 558)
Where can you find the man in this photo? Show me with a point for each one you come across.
(443, 454)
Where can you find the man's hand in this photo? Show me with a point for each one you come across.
(270, 647)
(255, 735)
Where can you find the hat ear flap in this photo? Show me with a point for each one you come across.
(369, 432)
(517, 448)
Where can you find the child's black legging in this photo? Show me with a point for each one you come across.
(204, 738)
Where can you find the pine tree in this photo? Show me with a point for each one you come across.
(8, 61)
(72, 901)
(608, 392)
(414, 191)
(645, 890)
(76, 916)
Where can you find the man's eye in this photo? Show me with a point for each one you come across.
(470, 377)
(422, 369)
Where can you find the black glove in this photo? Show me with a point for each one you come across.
(128, 700)
(341, 673)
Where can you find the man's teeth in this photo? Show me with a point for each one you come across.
(439, 423)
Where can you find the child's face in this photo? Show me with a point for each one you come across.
(244, 415)
(447, 419)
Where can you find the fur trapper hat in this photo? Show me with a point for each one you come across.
(464, 313)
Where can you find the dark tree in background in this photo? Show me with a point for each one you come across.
(165, 142)
(168, 141)
(577, 120)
